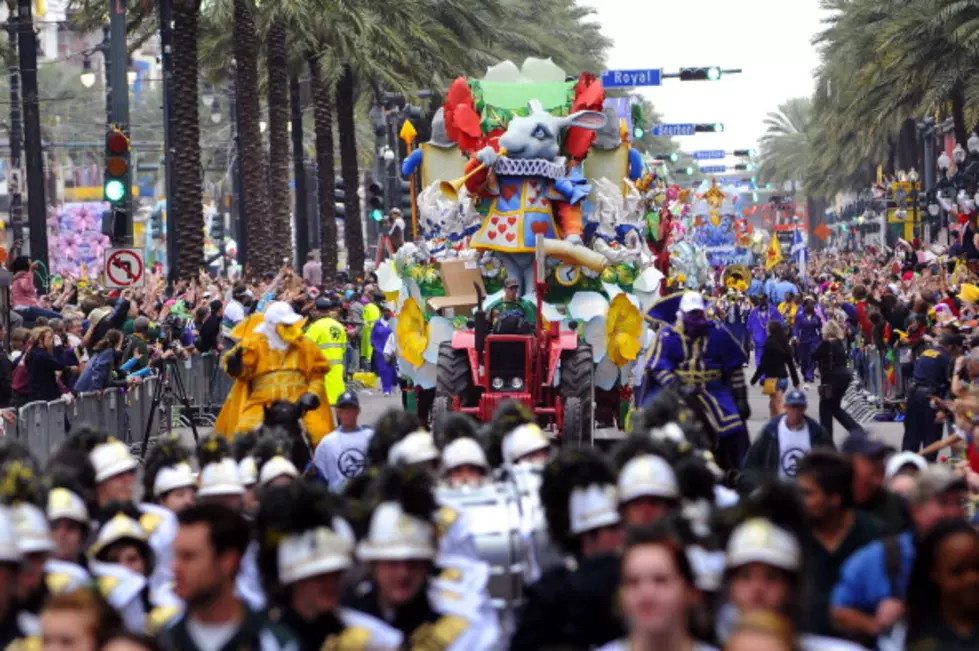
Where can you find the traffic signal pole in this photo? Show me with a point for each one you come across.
(33, 153)
(119, 83)
(16, 136)
(166, 58)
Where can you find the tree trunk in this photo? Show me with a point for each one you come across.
(958, 115)
(353, 223)
(251, 154)
(326, 180)
(184, 207)
(277, 62)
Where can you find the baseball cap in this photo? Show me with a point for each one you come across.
(511, 282)
(795, 398)
(935, 480)
(901, 460)
(691, 302)
(348, 399)
(859, 443)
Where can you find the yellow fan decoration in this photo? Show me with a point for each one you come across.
(969, 293)
(623, 328)
(412, 333)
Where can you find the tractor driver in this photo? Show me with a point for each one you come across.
(512, 309)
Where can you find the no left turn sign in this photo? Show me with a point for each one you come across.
(123, 268)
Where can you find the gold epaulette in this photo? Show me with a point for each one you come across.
(445, 517)
(439, 635)
(26, 644)
(353, 638)
(149, 522)
(158, 618)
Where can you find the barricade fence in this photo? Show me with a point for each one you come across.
(126, 413)
(880, 382)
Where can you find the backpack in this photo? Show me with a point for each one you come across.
(20, 379)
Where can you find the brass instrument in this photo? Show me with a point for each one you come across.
(736, 277)
(451, 188)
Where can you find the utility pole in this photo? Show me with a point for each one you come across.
(34, 154)
(299, 173)
(119, 83)
(166, 46)
(15, 189)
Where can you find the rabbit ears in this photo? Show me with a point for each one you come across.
(592, 120)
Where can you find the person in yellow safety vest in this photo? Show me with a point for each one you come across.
(372, 312)
(331, 336)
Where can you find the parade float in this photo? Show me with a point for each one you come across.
(532, 177)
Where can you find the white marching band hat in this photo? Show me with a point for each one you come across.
(248, 471)
(220, 478)
(396, 536)
(317, 551)
(170, 478)
(464, 452)
(647, 476)
(120, 527)
(417, 447)
(110, 459)
(9, 552)
(64, 504)
(592, 508)
(31, 529)
(523, 440)
(277, 466)
(759, 541)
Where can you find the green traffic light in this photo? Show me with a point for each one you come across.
(115, 190)
(674, 157)
(690, 171)
(754, 197)
(377, 215)
(718, 128)
(713, 74)
(638, 133)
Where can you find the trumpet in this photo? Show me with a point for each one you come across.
(451, 188)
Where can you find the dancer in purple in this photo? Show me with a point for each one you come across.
(384, 360)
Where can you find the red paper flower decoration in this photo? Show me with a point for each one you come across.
(588, 96)
(461, 119)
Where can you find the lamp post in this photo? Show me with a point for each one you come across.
(87, 77)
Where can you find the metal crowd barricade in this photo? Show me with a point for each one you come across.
(42, 426)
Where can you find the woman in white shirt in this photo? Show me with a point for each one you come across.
(657, 593)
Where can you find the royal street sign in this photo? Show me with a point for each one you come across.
(630, 78)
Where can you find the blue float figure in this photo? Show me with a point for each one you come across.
(758, 325)
(808, 332)
(386, 371)
(698, 359)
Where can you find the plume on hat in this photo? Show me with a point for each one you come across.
(568, 470)
(11, 450)
(639, 444)
(777, 502)
(456, 426)
(20, 484)
(244, 444)
(213, 448)
(168, 451)
(72, 470)
(393, 426)
(509, 415)
(272, 444)
(412, 488)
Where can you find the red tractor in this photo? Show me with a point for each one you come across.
(550, 371)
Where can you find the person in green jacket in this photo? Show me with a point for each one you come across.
(372, 312)
(512, 303)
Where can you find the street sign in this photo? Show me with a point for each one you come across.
(713, 169)
(674, 130)
(630, 78)
(123, 268)
(710, 154)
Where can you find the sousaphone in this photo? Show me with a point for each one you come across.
(736, 277)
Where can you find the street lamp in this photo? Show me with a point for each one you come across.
(215, 111)
(207, 95)
(388, 155)
(88, 75)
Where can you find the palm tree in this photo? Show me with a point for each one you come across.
(277, 97)
(251, 154)
(353, 224)
(325, 168)
(185, 205)
(784, 149)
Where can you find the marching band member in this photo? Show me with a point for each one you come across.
(220, 483)
(399, 549)
(648, 488)
(464, 461)
(242, 448)
(10, 558)
(526, 444)
(168, 479)
(570, 604)
(70, 524)
(272, 460)
(306, 551)
(122, 560)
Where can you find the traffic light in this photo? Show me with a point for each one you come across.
(404, 196)
(637, 132)
(684, 170)
(215, 227)
(339, 193)
(744, 153)
(674, 157)
(742, 167)
(709, 128)
(116, 186)
(375, 200)
(711, 73)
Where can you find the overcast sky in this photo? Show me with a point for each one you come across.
(769, 39)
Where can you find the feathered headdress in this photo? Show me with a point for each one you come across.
(212, 449)
(570, 469)
(412, 488)
(19, 484)
(509, 415)
(270, 446)
(168, 451)
(393, 426)
(667, 417)
(243, 445)
(456, 426)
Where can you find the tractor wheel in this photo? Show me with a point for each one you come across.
(453, 377)
(578, 381)
(441, 407)
(574, 434)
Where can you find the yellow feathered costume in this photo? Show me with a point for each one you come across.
(271, 372)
